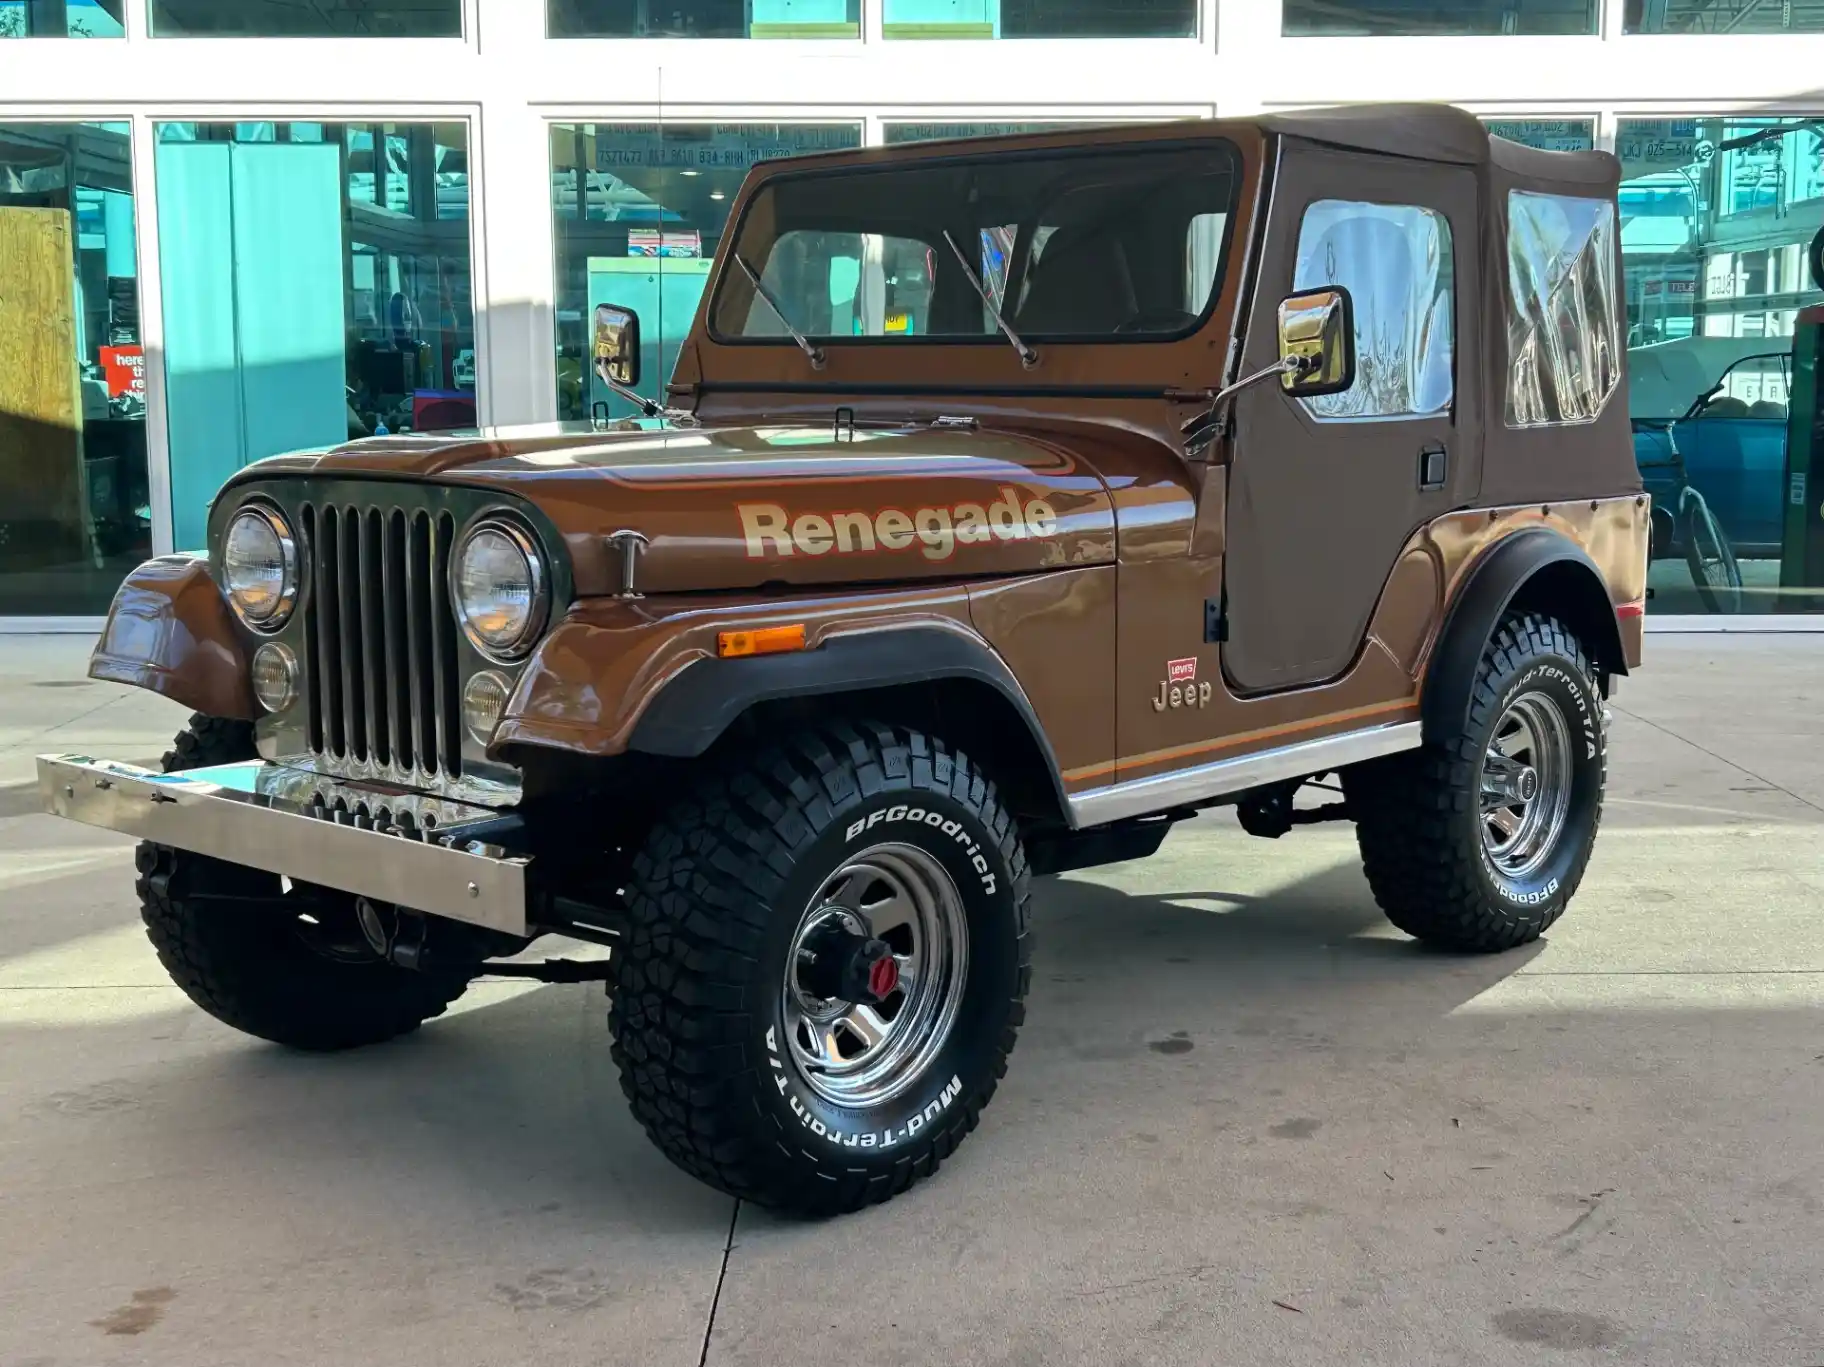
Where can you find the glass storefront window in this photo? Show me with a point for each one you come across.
(316, 282)
(318, 19)
(74, 507)
(61, 19)
(897, 134)
(1407, 19)
(1549, 135)
(704, 18)
(1040, 18)
(1720, 230)
(1720, 16)
(638, 211)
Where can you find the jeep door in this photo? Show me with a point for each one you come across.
(1324, 492)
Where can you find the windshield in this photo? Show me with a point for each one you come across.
(1068, 246)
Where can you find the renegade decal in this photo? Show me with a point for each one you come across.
(769, 529)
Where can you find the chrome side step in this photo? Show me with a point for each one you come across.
(1184, 787)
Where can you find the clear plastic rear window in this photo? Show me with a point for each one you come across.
(1564, 325)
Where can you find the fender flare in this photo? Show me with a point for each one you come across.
(1494, 584)
(692, 712)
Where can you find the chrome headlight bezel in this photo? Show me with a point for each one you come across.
(538, 611)
(272, 621)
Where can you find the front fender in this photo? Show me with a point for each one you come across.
(591, 682)
(621, 676)
(171, 632)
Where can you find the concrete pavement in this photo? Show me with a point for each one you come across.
(1247, 1122)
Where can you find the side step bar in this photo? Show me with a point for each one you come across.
(1201, 783)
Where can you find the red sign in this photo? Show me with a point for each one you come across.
(1181, 671)
(125, 367)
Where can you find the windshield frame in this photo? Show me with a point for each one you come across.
(1217, 144)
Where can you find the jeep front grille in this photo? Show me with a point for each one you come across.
(380, 641)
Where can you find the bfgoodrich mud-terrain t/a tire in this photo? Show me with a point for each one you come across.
(227, 937)
(1479, 842)
(825, 966)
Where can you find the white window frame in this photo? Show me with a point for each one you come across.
(509, 82)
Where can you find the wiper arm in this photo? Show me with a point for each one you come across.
(1028, 357)
(804, 343)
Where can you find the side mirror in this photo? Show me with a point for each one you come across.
(617, 345)
(1317, 342)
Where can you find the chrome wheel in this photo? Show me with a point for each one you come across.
(867, 1046)
(1526, 785)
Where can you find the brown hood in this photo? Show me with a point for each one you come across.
(739, 507)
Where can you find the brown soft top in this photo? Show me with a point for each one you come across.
(1426, 132)
(1441, 132)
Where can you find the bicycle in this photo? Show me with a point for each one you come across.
(1707, 550)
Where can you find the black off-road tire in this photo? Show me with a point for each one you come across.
(718, 891)
(1418, 815)
(245, 962)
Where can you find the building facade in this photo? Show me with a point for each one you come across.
(235, 227)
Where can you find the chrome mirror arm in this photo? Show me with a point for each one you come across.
(1286, 365)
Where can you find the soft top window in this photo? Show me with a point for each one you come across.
(1127, 243)
(1564, 324)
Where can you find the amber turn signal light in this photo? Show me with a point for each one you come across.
(732, 645)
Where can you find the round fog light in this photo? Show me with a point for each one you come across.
(275, 676)
(484, 699)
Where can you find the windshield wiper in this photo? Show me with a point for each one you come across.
(1028, 357)
(804, 343)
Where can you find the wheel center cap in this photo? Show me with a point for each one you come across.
(1526, 784)
(838, 964)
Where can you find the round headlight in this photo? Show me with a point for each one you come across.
(500, 589)
(260, 567)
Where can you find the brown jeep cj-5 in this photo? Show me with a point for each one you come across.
(1013, 500)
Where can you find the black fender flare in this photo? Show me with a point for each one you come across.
(1536, 568)
(693, 711)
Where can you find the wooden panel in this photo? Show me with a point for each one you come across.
(41, 476)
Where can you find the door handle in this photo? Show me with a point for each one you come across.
(1434, 467)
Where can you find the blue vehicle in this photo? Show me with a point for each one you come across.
(1713, 462)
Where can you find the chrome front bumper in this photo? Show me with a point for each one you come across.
(390, 844)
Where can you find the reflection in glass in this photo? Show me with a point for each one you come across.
(1548, 135)
(1720, 16)
(316, 283)
(704, 18)
(1403, 19)
(74, 512)
(317, 19)
(1564, 325)
(949, 19)
(1395, 260)
(1719, 218)
(639, 210)
(61, 19)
